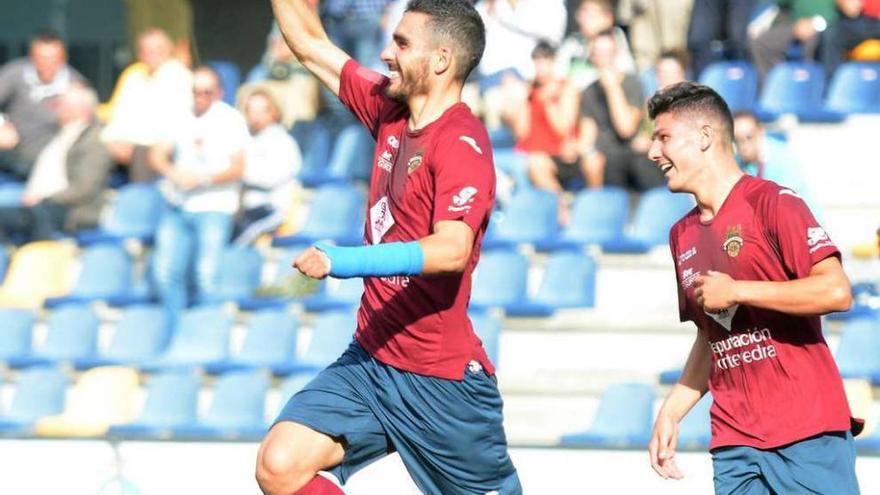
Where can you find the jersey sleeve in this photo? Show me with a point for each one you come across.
(801, 241)
(464, 178)
(682, 296)
(363, 92)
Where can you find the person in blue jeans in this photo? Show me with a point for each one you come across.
(201, 165)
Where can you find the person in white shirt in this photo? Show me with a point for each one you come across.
(272, 160)
(201, 174)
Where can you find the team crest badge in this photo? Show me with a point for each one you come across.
(414, 163)
(733, 241)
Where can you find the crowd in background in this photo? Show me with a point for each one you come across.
(571, 104)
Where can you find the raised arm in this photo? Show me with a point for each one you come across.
(304, 34)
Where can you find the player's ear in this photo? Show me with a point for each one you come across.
(442, 60)
(707, 136)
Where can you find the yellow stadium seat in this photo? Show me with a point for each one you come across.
(866, 51)
(38, 270)
(102, 397)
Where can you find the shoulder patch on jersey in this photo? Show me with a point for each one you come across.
(472, 142)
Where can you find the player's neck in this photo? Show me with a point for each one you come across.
(425, 109)
(715, 187)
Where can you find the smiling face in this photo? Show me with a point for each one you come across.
(408, 58)
(678, 149)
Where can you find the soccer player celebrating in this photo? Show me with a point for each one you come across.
(416, 379)
(754, 271)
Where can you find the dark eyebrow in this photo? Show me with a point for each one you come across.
(399, 38)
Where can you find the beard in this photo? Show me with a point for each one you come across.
(410, 82)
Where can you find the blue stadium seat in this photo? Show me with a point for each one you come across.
(201, 337)
(648, 80)
(352, 155)
(16, 336)
(270, 340)
(237, 410)
(230, 78)
(858, 354)
(240, 273)
(291, 385)
(39, 392)
(795, 88)
(855, 88)
(4, 262)
(332, 332)
(624, 418)
(531, 217)
(314, 139)
(141, 334)
(488, 329)
(336, 294)
(657, 211)
(512, 163)
(695, 430)
(863, 295)
(135, 214)
(670, 377)
(736, 81)
(336, 213)
(500, 280)
(569, 281)
(106, 274)
(72, 333)
(597, 216)
(171, 402)
(10, 194)
(283, 274)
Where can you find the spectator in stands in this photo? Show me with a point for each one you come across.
(574, 57)
(294, 88)
(856, 24)
(201, 172)
(610, 117)
(151, 96)
(787, 22)
(718, 26)
(544, 123)
(768, 157)
(29, 91)
(64, 189)
(272, 160)
(670, 68)
(653, 28)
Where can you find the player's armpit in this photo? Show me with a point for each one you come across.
(448, 248)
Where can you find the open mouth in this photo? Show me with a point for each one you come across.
(665, 167)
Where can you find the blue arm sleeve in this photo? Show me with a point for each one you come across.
(381, 260)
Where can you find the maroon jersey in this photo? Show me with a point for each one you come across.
(443, 171)
(773, 378)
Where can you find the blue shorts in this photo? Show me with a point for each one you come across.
(448, 433)
(825, 464)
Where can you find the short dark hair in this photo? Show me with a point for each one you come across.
(746, 114)
(682, 57)
(46, 36)
(458, 22)
(544, 49)
(691, 97)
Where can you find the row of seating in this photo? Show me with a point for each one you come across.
(794, 87)
(143, 337)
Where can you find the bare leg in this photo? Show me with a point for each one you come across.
(542, 172)
(593, 167)
(291, 455)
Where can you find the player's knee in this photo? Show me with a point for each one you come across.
(279, 466)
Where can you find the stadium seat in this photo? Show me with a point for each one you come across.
(15, 335)
(72, 333)
(858, 354)
(795, 88)
(352, 155)
(624, 419)
(512, 163)
(10, 194)
(106, 273)
(39, 392)
(4, 262)
(171, 401)
(332, 333)
(230, 78)
(657, 211)
(855, 88)
(736, 81)
(500, 280)
(531, 217)
(201, 337)
(290, 386)
(670, 377)
(488, 329)
(695, 429)
(649, 83)
(336, 294)
(287, 286)
(102, 397)
(314, 139)
(141, 334)
(597, 216)
(336, 214)
(135, 215)
(865, 296)
(569, 281)
(236, 411)
(270, 340)
(241, 269)
(38, 270)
